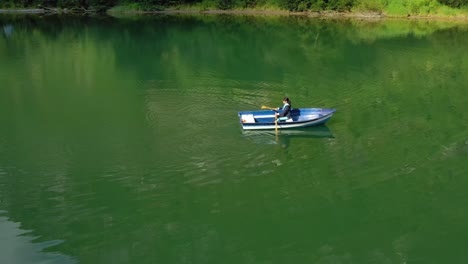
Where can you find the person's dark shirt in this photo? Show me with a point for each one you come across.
(285, 111)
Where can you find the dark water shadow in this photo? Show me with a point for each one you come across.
(285, 136)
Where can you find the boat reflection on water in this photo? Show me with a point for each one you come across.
(284, 135)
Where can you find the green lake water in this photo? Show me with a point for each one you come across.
(120, 141)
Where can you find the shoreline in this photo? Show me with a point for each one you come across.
(252, 12)
(23, 11)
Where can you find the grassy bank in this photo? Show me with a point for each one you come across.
(410, 8)
(359, 8)
(388, 8)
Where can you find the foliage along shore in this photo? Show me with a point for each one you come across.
(434, 9)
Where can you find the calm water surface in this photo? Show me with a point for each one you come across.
(120, 143)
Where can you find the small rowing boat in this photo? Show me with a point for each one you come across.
(300, 117)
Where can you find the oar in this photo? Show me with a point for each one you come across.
(268, 107)
(276, 119)
(276, 125)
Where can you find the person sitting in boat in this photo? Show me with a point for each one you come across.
(284, 113)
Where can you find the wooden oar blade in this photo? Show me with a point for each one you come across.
(267, 107)
(276, 126)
